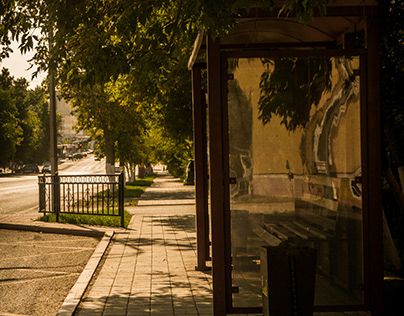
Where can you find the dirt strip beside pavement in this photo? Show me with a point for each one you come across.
(37, 270)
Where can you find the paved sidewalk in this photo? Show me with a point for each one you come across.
(150, 269)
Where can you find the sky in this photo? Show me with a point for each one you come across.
(18, 66)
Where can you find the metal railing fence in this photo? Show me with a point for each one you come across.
(82, 194)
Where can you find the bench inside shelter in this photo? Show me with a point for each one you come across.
(334, 232)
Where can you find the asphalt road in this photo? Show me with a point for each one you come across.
(19, 193)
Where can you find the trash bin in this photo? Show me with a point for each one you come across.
(288, 279)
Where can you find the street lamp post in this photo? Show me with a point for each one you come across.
(53, 128)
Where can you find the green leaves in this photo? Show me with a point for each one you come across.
(22, 123)
(303, 9)
(125, 61)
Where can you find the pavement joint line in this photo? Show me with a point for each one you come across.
(159, 249)
(138, 238)
(170, 283)
(73, 299)
(119, 251)
(183, 263)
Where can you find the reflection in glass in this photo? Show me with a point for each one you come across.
(294, 151)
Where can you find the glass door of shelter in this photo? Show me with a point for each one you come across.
(294, 145)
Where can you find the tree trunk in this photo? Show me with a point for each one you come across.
(131, 171)
(109, 153)
(141, 171)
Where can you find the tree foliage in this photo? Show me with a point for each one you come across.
(137, 54)
(99, 44)
(10, 131)
(392, 77)
(24, 126)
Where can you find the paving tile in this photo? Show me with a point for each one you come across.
(150, 270)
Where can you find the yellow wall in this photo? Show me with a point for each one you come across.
(272, 144)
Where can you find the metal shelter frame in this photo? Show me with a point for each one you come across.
(239, 44)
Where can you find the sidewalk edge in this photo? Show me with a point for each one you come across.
(76, 293)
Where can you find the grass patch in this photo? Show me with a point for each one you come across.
(96, 220)
(144, 182)
(133, 190)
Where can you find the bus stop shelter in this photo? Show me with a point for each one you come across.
(287, 154)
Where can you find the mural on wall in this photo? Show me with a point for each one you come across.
(314, 101)
(292, 87)
(240, 119)
(318, 138)
(289, 87)
(295, 151)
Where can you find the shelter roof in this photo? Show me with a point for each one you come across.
(260, 27)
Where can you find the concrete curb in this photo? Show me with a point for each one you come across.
(76, 293)
(52, 230)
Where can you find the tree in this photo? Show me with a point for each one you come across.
(111, 116)
(392, 75)
(29, 122)
(96, 42)
(155, 70)
(23, 120)
(10, 130)
(38, 100)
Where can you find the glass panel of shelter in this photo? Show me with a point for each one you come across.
(295, 170)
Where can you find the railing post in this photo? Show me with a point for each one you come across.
(121, 197)
(42, 191)
(56, 195)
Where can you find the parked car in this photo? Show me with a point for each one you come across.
(29, 168)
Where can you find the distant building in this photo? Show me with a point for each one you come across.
(69, 121)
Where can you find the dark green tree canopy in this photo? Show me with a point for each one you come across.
(24, 127)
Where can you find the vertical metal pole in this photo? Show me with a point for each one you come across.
(42, 197)
(52, 127)
(52, 111)
(372, 174)
(217, 180)
(201, 194)
(56, 195)
(121, 197)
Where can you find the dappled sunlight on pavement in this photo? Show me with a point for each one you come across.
(150, 270)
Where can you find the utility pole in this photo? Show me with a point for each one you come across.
(53, 128)
(52, 109)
